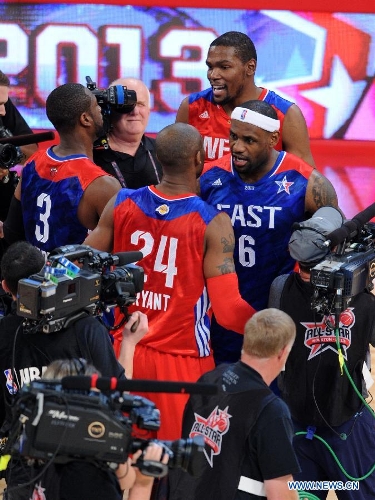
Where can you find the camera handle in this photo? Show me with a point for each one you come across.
(151, 467)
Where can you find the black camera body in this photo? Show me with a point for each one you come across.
(10, 155)
(345, 273)
(116, 98)
(52, 423)
(62, 291)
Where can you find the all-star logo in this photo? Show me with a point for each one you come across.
(284, 185)
(38, 493)
(319, 336)
(212, 429)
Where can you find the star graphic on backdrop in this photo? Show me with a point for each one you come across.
(340, 97)
(284, 185)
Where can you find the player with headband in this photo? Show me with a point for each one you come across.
(264, 191)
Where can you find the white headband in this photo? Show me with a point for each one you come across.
(254, 118)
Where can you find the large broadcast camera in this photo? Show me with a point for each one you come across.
(116, 98)
(62, 291)
(348, 270)
(53, 423)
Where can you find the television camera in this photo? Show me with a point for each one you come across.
(116, 98)
(52, 423)
(64, 291)
(349, 269)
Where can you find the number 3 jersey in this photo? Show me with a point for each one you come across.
(262, 215)
(51, 190)
(170, 232)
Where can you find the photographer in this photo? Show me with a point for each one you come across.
(11, 123)
(62, 193)
(130, 156)
(247, 429)
(11, 119)
(322, 400)
(83, 480)
(23, 357)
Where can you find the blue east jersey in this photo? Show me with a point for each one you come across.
(262, 215)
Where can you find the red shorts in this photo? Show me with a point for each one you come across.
(156, 365)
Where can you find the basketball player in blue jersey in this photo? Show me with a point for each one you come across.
(62, 193)
(264, 191)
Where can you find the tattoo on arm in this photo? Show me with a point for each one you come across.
(228, 244)
(227, 266)
(323, 193)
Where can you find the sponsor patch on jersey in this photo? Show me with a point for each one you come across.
(284, 185)
(204, 115)
(217, 182)
(162, 209)
(320, 337)
(212, 429)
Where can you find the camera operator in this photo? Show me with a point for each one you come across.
(130, 156)
(11, 118)
(23, 357)
(321, 398)
(11, 123)
(247, 429)
(62, 193)
(83, 480)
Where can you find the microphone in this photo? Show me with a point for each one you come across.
(26, 139)
(350, 228)
(125, 258)
(85, 383)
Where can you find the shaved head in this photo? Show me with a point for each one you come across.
(177, 145)
(134, 84)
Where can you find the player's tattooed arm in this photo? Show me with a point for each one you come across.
(228, 243)
(227, 266)
(219, 246)
(320, 193)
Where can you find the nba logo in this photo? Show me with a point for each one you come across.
(11, 386)
(243, 114)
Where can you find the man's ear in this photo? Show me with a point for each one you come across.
(4, 286)
(85, 119)
(274, 138)
(198, 158)
(251, 67)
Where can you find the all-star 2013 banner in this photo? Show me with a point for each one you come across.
(322, 61)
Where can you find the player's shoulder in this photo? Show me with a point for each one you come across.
(223, 163)
(290, 161)
(205, 94)
(276, 100)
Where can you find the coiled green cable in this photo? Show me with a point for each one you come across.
(304, 495)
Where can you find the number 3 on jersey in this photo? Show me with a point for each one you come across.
(165, 260)
(42, 230)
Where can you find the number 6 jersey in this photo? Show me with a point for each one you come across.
(262, 215)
